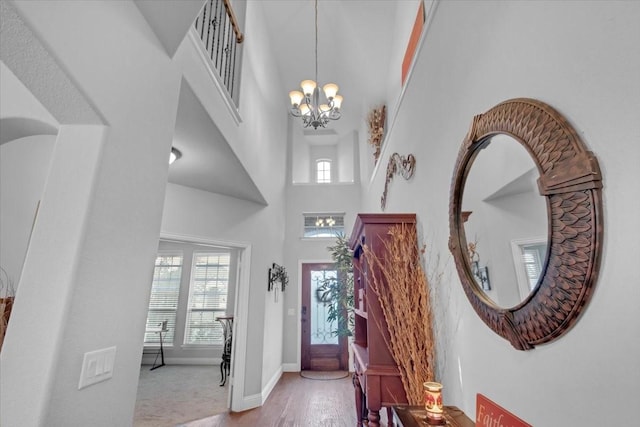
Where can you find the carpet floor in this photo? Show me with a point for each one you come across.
(176, 394)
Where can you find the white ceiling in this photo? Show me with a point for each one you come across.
(354, 47)
(208, 163)
(354, 42)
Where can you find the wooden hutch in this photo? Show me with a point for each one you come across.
(376, 380)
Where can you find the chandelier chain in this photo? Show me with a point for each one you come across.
(316, 24)
(307, 104)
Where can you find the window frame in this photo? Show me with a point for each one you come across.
(169, 336)
(335, 230)
(216, 327)
(328, 170)
(518, 247)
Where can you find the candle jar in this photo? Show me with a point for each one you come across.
(433, 403)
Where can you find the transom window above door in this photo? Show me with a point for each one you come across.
(318, 225)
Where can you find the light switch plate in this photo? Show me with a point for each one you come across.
(97, 366)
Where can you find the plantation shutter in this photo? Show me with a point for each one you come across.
(533, 264)
(163, 303)
(207, 298)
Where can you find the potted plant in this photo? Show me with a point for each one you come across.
(338, 292)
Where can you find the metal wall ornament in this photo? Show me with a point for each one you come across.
(571, 182)
(405, 166)
(277, 274)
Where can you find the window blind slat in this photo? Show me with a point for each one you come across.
(208, 298)
(163, 302)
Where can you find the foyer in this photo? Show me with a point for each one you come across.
(93, 95)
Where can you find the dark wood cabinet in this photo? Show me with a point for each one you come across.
(377, 380)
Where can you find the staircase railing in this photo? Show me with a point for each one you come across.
(220, 33)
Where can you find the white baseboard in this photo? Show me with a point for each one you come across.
(248, 402)
(256, 400)
(290, 367)
(268, 388)
(149, 359)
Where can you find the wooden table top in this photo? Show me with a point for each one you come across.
(415, 416)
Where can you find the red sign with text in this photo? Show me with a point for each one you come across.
(489, 414)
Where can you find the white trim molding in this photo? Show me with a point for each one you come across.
(238, 401)
(291, 367)
(248, 402)
(209, 361)
(268, 388)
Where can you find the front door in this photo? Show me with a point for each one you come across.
(322, 350)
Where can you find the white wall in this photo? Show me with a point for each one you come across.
(24, 165)
(300, 155)
(349, 165)
(305, 151)
(301, 199)
(134, 85)
(86, 273)
(583, 59)
(191, 212)
(403, 24)
(259, 141)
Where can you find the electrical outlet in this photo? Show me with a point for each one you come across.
(97, 366)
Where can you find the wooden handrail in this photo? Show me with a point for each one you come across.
(234, 21)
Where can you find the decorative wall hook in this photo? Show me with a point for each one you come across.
(277, 273)
(397, 165)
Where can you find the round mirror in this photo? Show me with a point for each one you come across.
(506, 227)
(525, 221)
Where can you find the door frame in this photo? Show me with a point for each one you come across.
(235, 398)
(344, 340)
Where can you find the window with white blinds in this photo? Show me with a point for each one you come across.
(207, 298)
(165, 291)
(532, 256)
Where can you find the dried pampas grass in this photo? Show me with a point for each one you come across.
(403, 291)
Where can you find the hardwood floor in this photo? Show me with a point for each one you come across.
(297, 402)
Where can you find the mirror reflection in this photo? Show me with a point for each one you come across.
(506, 225)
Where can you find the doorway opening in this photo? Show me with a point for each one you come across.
(321, 348)
(211, 286)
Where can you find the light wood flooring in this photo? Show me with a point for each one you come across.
(297, 402)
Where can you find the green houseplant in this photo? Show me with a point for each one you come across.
(337, 292)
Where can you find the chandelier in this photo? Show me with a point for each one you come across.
(320, 222)
(306, 104)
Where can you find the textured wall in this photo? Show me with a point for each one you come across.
(581, 58)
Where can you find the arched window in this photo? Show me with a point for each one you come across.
(323, 171)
